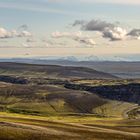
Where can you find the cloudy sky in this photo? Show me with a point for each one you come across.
(69, 27)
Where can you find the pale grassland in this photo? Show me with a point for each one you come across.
(21, 127)
(58, 118)
(105, 82)
(113, 108)
(42, 108)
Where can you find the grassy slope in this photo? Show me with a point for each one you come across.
(46, 100)
(62, 121)
(56, 100)
(14, 127)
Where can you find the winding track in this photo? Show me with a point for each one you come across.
(125, 113)
(53, 131)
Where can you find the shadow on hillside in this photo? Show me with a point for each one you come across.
(128, 93)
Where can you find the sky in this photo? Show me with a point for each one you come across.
(69, 27)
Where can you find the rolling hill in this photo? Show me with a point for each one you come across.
(63, 102)
(51, 71)
(50, 90)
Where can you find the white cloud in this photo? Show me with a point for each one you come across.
(4, 33)
(25, 34)
(61, 34)
(77, 36)
(25, 45)
(88, 41)
(30, 40)
(108, 30)
(135, 33)
(11, 34)
(93, 25)
(116, 33)
(58, 34)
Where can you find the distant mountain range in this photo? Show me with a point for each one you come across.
(123, 57)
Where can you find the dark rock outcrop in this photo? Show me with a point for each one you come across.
(14, 80)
